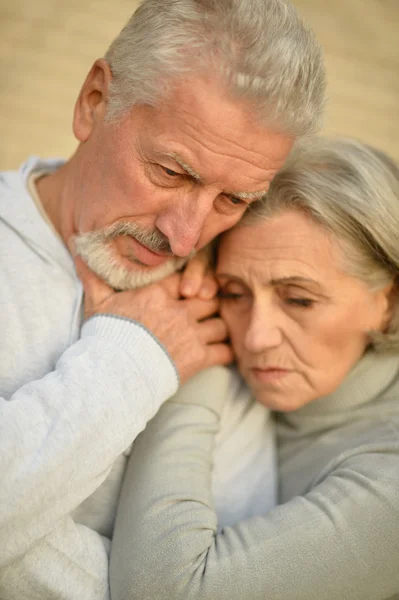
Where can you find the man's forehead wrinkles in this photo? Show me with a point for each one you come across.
(271, 167)
(254, 195)
(216, 139)
(194, 172)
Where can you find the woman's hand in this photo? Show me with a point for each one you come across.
(197, 278)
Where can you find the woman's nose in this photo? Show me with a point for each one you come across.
(264, 331)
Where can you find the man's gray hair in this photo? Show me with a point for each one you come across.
(353, 190)
(261, 49)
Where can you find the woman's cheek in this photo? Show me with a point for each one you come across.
(237, 335)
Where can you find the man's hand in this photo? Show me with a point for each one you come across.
(193, 338)
(197, 279)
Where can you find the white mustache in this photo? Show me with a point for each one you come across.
(154, 240)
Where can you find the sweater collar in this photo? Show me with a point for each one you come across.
(19, 211)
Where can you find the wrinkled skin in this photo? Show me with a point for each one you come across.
(298, 322)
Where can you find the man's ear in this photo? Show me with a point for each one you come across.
(92, 100)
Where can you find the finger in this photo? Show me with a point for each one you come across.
(172, 285)
(219, 354)
(96, 290)
(201, 309)
(212, 331)
(208, 288)
(193, 275)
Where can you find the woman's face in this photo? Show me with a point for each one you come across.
(298, 322)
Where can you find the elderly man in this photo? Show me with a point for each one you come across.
(183, 124)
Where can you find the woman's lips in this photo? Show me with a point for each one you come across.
(270, 374)
(133, 250)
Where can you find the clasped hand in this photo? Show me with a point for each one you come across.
(181, 312)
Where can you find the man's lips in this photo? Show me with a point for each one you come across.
(131, 248)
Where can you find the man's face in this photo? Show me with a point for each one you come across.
(178, 174)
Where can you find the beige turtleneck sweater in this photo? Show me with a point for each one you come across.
(335, 535)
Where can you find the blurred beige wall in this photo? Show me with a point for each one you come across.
(47, 47)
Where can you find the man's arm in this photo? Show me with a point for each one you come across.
(70, 563)
(339, 541)
(59, 436)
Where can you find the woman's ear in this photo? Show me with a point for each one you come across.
(92, 100)
(387, 299)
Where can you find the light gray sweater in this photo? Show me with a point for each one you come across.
(335, 535)
(72, 400)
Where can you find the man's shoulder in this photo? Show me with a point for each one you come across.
(10, 184)
(14, 181)
(20, 218)
(39, 303)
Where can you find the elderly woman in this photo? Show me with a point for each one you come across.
(308, 288)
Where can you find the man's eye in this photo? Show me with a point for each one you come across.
(236, 201)
(302, 302)
(170, 172)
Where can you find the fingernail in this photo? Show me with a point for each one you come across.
(187, 288)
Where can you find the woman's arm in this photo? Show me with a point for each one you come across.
(339, 541)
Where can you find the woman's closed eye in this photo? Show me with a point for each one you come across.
(296, 296)
(300, 302)
(233, 291)
(225, 295)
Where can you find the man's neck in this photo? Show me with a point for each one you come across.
(52, 191)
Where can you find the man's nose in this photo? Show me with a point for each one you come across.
(264, 330)
(184, 220)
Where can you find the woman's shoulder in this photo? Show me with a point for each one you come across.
(212, 388)
(240, 403)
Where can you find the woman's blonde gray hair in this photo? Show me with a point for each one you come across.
(260, 48)
(352, 190)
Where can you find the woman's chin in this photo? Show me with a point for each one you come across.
(280, 400)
